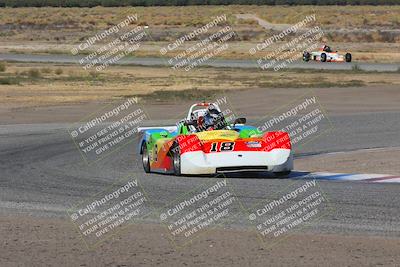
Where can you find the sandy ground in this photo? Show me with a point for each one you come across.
(30, 241)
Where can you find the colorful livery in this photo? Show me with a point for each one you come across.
(205, 143)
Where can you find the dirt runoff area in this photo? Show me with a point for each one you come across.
(30, 241)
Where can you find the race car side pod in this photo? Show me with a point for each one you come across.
(277, 140)
(188, 143)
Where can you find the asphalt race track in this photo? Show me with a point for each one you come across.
(43, 174)
(221, 63)
(104, 104)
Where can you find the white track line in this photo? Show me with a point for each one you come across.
(374, 178)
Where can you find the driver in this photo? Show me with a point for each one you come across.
(213, 119)
(327, 49)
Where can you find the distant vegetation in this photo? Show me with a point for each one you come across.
(114, 3)
(2, 66)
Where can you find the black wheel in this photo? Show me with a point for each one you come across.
(145, 158)
(323, 57)
(306, 56)
(282, 174)
(348, 57)
(176, 156)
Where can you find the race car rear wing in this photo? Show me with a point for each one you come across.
(167, 128)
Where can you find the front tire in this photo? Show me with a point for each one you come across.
(145, 158)
(176, 156)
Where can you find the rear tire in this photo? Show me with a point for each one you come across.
(176, 159)
(323, 57)
(145, 158)
(348, 57)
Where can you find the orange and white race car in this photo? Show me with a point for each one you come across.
(325, 54)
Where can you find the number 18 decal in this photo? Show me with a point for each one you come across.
(225, 146)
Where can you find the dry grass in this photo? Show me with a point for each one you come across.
(2, 66)
(336, 16)
(74, 85)
(57, 30)
(100, 17)
(70, 25)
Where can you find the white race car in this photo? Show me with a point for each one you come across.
(325, 54)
